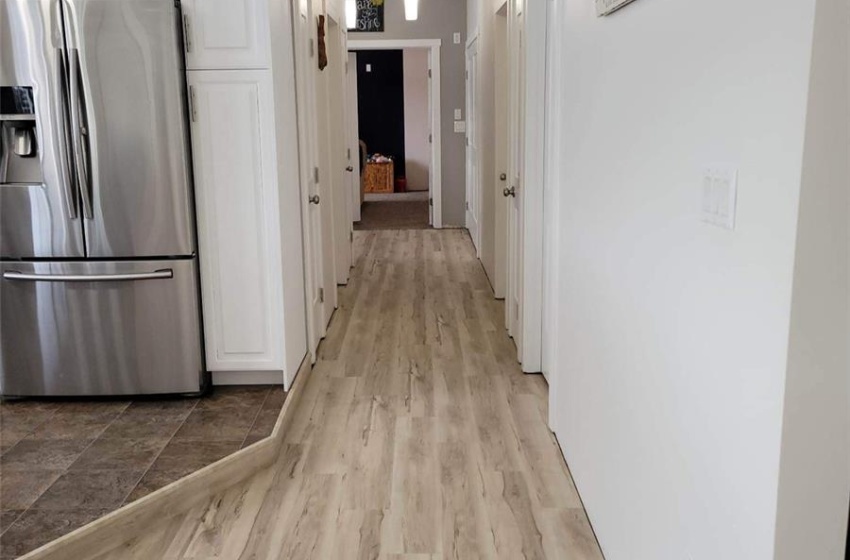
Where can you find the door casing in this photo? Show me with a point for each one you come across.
(473, 170)
(314, 274)
(353, 135)
(436, 182)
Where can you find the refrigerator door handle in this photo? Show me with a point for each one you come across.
(71, 182)
(79, 134)
(164, 274)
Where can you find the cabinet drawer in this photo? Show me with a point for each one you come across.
(99, 328)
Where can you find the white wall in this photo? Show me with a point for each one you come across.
(673, 334)
(814, 482)
(417, 148)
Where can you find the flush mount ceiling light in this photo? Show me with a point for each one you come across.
(351, 14)
(411, 10)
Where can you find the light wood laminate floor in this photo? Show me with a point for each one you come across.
(417, 436)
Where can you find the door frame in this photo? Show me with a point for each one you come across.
(308, 147)
(527, 22)
(473, 174)
(513, 204)
(433, 46)
(534, 175)
(337, 177)
(501, 84)
(353, 136)
(555, 83)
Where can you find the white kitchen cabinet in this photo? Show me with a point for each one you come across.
(236, 190)
(226, 34)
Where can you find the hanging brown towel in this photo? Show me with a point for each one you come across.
(323, 51)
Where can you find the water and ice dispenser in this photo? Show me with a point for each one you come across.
(19, 161)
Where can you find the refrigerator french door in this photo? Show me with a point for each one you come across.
(99, 291)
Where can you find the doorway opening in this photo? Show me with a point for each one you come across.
(393, 97)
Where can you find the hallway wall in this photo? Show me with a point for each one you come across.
(417, 148)
(673, 365)
(438, 19)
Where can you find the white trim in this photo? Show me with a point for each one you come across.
(247, 378)
(532, 191)
(436, 108)
(336, 12)
(472, 38)
(353, 135)
(391, 44)
(555, 86)
(437, 143)
(473, 186)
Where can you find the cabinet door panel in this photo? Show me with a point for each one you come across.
(226, 34)
(238, 234)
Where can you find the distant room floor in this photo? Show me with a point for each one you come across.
(65, 464)
(403, 214)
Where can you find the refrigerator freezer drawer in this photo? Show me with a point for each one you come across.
(99, 328)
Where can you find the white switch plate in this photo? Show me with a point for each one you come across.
(460, 126)
(368, 67)
(457, 38)
(719, 195)
(458, 114)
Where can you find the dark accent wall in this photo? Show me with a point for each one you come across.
(380, 98)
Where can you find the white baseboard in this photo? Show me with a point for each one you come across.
(247, 378)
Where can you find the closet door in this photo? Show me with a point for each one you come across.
(238, 225)
(225, 34)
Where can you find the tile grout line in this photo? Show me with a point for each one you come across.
(66, 469)
(254, 421)
(170, 439)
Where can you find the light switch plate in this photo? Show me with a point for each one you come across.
(460, 126)
(719, 195)
(458, 114)
(457, 38)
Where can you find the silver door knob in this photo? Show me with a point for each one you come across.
(509, 192)
(349, 169)
(314, 199)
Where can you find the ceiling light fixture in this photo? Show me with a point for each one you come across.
(351, 14)
(411, 10)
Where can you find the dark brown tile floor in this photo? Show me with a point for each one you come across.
(64, 464)
(391, 214)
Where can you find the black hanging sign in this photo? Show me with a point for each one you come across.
(370, 16)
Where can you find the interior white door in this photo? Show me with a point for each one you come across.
(501, 151)
(323, 181)
(353, 151)
(473, 175)
(513, 304)
(337, 160)
(311, 215)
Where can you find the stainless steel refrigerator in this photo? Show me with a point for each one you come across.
(99, 291)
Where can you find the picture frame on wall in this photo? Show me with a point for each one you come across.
(370, 16)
